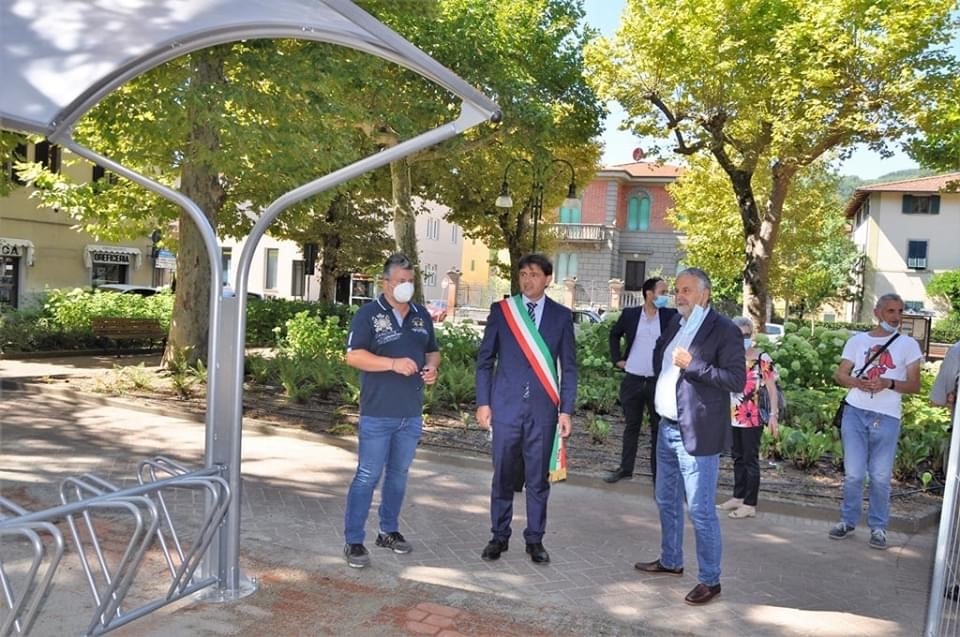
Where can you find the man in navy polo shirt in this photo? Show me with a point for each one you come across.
(392, 343)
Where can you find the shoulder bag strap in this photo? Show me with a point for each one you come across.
(876, 354)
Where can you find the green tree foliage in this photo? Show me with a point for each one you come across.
(947, 286)
(529, 57)
(815, 255)
(775, 83)
(939, 145)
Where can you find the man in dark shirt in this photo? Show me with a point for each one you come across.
(392, 343)
(640, 327)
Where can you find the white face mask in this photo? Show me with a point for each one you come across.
(889, 329)
(403, 292)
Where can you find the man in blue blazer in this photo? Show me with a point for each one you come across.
(699, 362)
(640, 327)
(526, 342)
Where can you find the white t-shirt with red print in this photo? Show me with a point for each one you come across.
(892, 363)
(744, 409)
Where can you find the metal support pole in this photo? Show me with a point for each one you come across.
(537, 206)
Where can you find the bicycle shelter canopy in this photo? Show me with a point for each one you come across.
(60, 58)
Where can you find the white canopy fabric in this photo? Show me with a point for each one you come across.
(59, 57)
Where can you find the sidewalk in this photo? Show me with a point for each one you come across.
(781, 574)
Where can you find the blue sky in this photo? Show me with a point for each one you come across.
(619, 145)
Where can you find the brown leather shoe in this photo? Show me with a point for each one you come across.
(656, 567)
(701, 594)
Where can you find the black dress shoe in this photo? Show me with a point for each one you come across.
(616, 475)
(656, 567)
(701, 594)
(537, 553)
(493, 549)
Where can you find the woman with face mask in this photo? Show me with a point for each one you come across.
(747, 423)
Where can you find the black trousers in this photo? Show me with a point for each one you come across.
(746, 463)
(636, 398)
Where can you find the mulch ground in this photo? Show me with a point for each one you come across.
(455, 430)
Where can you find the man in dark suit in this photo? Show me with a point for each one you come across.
(526, 389)
(641, 327)
(699, 362)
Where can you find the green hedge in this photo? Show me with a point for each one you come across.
(63, 320)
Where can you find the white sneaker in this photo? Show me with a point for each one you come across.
(731, 504)
(745, 511)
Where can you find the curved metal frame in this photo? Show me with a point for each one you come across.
(227, 327)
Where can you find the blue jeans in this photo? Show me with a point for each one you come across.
(679, 474)
(384, 443)
(869, 449)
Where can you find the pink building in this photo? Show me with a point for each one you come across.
(620, 232)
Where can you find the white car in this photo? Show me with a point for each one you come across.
(126, 288)
(773, 332)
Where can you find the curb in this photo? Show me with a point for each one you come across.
(641, 487)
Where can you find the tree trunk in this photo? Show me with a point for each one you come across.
(761, 238)
(199, 180)
(329, 250)
(405, 220)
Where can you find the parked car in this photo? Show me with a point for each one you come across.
(586, 316)
(228, 291)
(126, 288)
(438, 310)
(773, 332)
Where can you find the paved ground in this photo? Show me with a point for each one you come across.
(781, 575)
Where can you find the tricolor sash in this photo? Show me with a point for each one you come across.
(537, 353)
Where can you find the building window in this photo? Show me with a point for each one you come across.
(566, 266)
(638, 213)
(429, 275)
(454, 234)
(102, 273)
(17, 155)
(270, 279)
(570, 215)
(433, 228)
(9, 282)
(226, 259)
(917, 255)
(913, 205)
(99, 172)
(473, 265)
(48, 155)
(298, 279)
(634, 276)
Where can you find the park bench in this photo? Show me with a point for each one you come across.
(120, 329)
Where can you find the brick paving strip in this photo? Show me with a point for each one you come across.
(781, 575)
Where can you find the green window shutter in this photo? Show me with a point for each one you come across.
(564, 215)
(643, 222)
(633, 214)
(575, 215)
(935, 205)
(907, 204)
(572, 265)
(561, 270)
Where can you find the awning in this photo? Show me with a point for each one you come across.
(112, 254)
(60, 57)
(17, 248)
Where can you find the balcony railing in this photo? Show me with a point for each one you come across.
(577, 231)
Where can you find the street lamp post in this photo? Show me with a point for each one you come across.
(154, 253)
(504, 200)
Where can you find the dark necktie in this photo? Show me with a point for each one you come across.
(532, 311)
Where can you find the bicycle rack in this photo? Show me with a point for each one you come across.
(110, 578)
